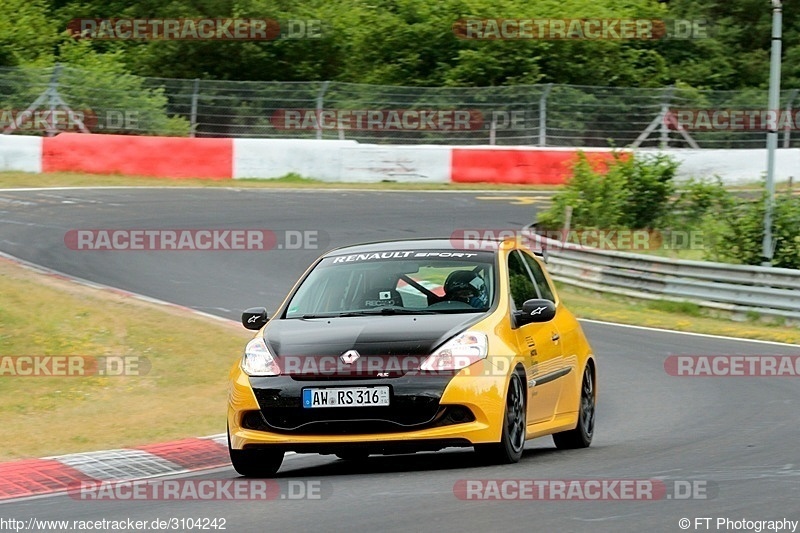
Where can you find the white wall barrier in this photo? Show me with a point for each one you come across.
(349, 161)
(733, 166)
(274, 158)
(20, 153)
(340, 160)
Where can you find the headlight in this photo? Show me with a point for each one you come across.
(457, 353)
(258, 360)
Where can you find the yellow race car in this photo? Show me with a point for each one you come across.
(404, 346)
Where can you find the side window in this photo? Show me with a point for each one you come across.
(541, 282)
(522, 287)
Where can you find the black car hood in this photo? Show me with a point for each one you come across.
(400, 335)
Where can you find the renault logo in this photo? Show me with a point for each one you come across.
(349, 357)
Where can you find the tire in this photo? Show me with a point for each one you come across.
(259, 462)
(512, 443)
(352, 455)
(581, 436)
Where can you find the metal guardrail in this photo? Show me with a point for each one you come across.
(739, 289)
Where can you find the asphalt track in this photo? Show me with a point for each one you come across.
(737, 437)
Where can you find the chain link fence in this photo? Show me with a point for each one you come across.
(533, 115)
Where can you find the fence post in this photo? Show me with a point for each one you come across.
(493, 129)
(543, 115)
(53, 100)
(787, 133)
(320, 95)
(663, 141)
(193, 118)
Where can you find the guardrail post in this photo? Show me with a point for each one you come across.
(567, 223)
(663, 141)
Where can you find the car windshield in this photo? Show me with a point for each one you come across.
(397, 282)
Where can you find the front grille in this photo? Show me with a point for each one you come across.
(347, 422)
(386, 448)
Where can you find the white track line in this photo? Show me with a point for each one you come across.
(690, 333)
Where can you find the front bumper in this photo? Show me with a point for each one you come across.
(268, 411)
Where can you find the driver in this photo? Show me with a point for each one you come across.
(467, 287)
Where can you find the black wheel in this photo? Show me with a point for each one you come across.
(352, 455)
(512, 442)
(259, 462)
(581, 436)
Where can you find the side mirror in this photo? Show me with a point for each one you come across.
(536, 311)
(255, 318)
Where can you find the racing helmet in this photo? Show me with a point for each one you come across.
(467, 286)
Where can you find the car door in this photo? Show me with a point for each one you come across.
(539, 343)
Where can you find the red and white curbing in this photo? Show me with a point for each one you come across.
(35, 477)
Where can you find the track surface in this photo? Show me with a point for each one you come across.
(738, 435)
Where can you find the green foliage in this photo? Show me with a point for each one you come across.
(638, 193)
(412, 42)
(109, 88)
(733, 227)
(102, 87)
(28, 34)
(738, 239)
(633, 193)
(700, 202)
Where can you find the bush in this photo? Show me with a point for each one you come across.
(637, 193)
(733, 227)
(739, 240)
(633, 193)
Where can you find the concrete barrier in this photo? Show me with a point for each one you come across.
(274, 158)
(522, 165)
(349, 161)
(733, 166)
(128, 155)
(20, 153)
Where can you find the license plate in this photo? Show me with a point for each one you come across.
(346, 397)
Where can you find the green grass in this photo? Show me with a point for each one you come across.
(69, 179)
(182, 395)
(678, 316)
